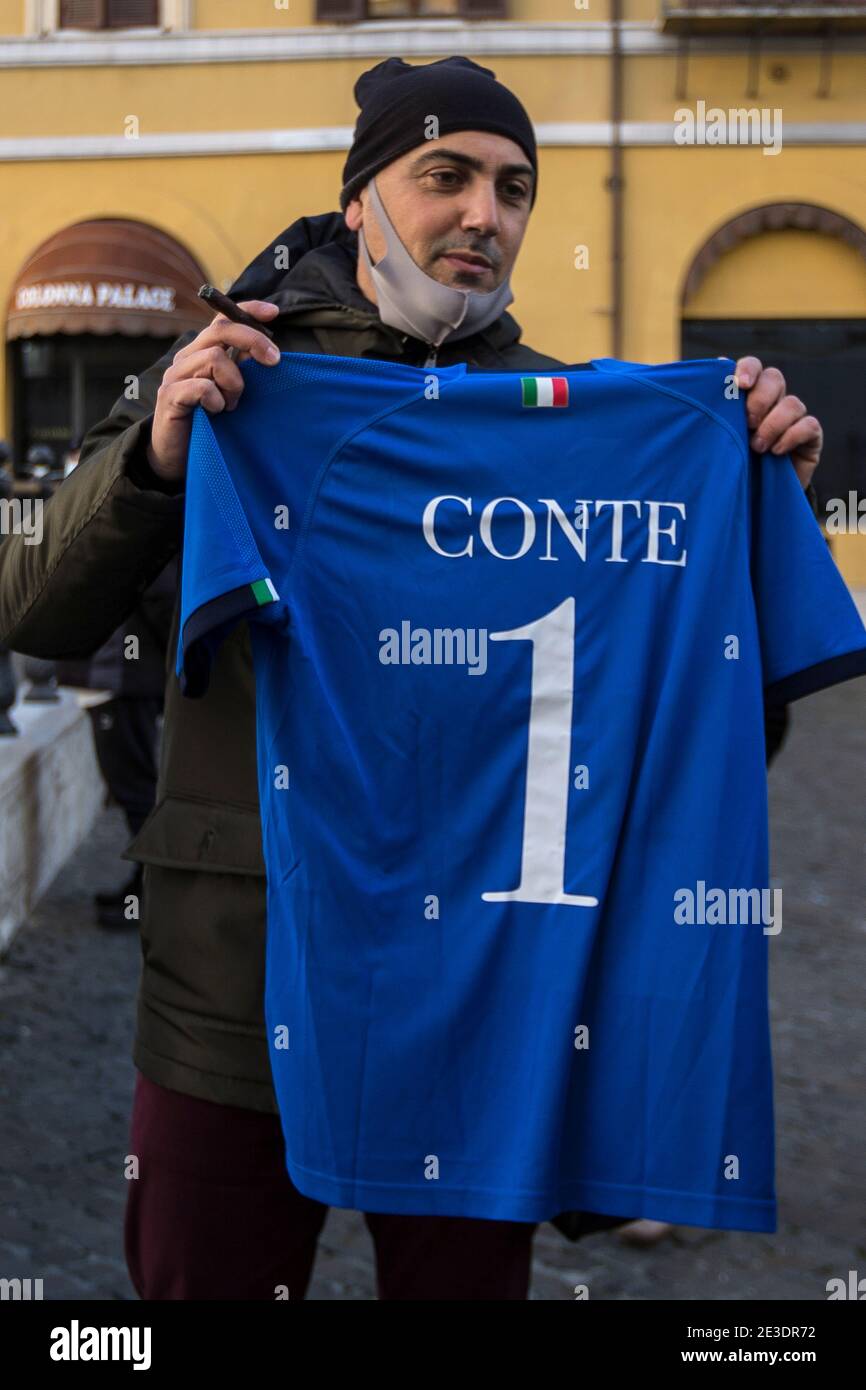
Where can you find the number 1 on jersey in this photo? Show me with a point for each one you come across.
(542, 862)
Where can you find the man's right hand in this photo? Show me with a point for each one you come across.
(203, 374)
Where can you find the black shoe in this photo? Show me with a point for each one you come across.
(110, 907)
(117, 895)
(115, 919)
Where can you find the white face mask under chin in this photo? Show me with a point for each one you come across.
(412, 301)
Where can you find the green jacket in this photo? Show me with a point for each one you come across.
(108, 531)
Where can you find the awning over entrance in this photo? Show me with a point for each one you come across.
(109, 275)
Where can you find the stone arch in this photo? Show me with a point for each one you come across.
(769, 217)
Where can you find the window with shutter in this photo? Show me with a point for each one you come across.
(81, 14)
(411, 9)
(481, 9)
(108, 14)
(129, 14)
(341, 11)
(353, 11)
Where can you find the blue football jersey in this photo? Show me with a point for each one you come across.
(511, 638)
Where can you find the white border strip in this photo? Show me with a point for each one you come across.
(185, 144)
(422, 38)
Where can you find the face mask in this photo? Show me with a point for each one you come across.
(413, 302)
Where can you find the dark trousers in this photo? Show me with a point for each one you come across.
(125, 737)
(213, 1214)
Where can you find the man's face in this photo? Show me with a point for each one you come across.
(469, 191)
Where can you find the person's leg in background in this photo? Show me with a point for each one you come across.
(125, 736)
(213, 1213)
(458, 1258)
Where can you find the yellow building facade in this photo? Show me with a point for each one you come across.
(702, 181)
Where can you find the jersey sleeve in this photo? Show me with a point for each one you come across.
(223, 576)
(811, 633)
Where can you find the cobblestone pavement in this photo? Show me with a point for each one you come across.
(67, 995)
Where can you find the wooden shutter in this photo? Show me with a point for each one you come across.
(341, 11)
(81, 14)
(108, 14)
(481, 9)
(129, 14)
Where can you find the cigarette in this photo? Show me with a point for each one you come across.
(221, 302)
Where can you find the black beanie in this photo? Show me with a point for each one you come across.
(397, 99)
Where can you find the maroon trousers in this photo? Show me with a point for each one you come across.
(213, 1214)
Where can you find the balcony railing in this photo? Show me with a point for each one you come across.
(752, 16)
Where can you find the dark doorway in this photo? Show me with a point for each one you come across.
(823, 362)
(64, 383)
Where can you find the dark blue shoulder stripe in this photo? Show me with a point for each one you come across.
(817, 677)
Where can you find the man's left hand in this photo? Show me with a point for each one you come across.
(778, 422)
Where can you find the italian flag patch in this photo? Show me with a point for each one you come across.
(544, 390)
(264, 591)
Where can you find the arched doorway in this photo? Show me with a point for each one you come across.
(787, 283)
(95, 304)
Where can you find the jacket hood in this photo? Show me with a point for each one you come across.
(320, 288)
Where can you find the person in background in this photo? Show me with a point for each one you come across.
(7, 678)
(130, 668)
(41, 463)
(70, 458)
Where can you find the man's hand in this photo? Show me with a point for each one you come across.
(203, 373)
(779, 422)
